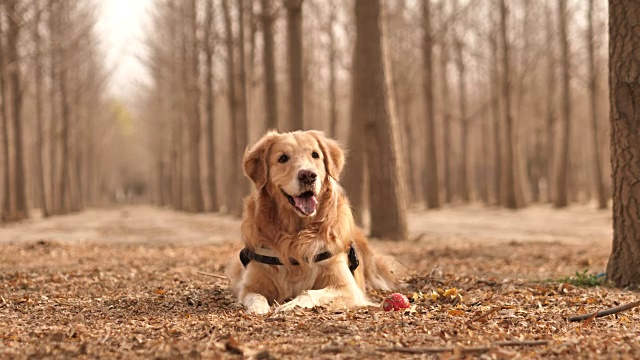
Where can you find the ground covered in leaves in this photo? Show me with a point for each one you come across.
(128, 283)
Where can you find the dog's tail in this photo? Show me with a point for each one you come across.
(381, 272)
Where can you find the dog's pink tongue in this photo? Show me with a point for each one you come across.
(306, 204)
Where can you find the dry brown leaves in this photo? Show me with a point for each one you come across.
(108, 300)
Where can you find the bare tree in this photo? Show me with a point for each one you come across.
(464, 123)
(509, 196)
(16, 91)
(296, 75)
(243, 103)
(197, 199)
(431, 184)
(562, 177)
(39, 100)
(333, 64)
(177, 158)
(624, 92)
(593, 108)
(446, 103)
(354, 178)
(185, 111)
(209, 49)
(549, 100)
(232, 189)
(270, 89)
(54, 59)
(495, 112)
(63, 174)
(4, 118)
(388, 219)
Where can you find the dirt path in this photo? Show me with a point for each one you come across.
(130, 224)
(124, 283)
(146, 224)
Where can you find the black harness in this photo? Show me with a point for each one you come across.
(246, 255)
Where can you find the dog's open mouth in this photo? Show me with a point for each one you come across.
(305, 203)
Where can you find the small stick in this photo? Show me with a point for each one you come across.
(482, 316)
(606, 312)
(432, 350)
(435, 350)
(489, 312)
(213, 275)
(522, 343)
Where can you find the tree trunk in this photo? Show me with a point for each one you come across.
(388, 218)
(464, 125)
(185, 110)
(243, 105)
(15, 89)
(195, 95)
(63, 173)
(296, 75)
(253, 30)
(178, 142)
(234, 201)
(485, 177)
(562, 178)
(39, 149)
(446, 115)
(510, 199)
(270, 88)
(4, 119)
(54, 60)
(624, 72)
(495, 114)
(333, 73)
(431, 183)
(354, 178)
(550, 95)
(209, 106)
(593, 94)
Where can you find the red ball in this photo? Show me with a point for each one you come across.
(395, 301)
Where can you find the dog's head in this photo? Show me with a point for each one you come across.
(294, 168)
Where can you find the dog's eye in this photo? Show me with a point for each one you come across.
(315, 155)
(283, 159)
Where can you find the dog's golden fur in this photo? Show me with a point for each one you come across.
(273, 222)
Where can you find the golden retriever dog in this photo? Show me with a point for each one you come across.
(301, 242)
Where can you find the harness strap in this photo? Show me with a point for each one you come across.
(247, 255)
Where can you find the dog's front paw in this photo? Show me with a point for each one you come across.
(259, 309)
(304, 300)
(257, 304)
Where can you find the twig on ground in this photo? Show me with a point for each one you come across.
(491, 311)
(485, 315)
(106, 337)
(221, 277)
(606, 312)
(433, 269)
(522, 343)
(433, 350)
(463, 350)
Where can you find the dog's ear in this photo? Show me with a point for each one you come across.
(256, 160)
(334, 156)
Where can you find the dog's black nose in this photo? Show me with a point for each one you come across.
(307, 177)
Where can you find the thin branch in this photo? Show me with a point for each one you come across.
(485, 315)
(221, 277)
(463, 350)
(610, 311)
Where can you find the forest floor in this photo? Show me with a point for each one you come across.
(124, 282)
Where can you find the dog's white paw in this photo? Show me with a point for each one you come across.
(303, 300)
(259, 309)
(256, 304)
